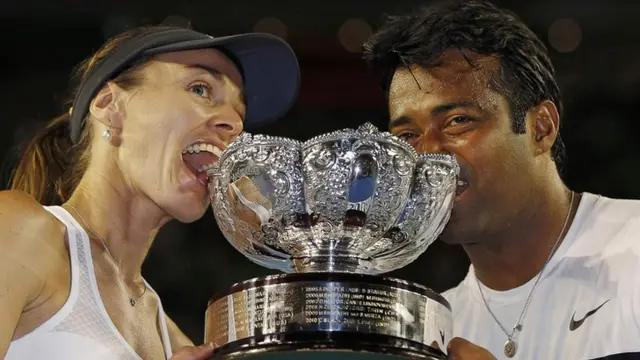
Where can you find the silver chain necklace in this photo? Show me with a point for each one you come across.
(132, 301)
(511, 346)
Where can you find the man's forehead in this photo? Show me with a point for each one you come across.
(456, 69)
(460, 59)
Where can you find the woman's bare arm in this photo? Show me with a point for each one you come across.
(28, 238)
(177, 337)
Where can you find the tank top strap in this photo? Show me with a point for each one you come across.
(86, 284)
(164, 331)
(76, 273)
(89, 311)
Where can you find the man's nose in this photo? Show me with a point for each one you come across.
(429, 143)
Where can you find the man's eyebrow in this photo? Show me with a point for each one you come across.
(401, 121)
(436, 111)
(441, 109)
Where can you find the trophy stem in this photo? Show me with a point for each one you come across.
(328, 263)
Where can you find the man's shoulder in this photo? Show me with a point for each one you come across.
(451, 294)
(614, 210)
(455, 293)
(609, 223)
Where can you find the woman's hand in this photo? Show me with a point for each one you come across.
(202, 352)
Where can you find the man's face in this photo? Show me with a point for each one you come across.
(452, 109)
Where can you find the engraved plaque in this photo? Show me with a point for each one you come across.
(387, 307)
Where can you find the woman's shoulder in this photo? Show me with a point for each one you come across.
(27, 229)
(16, 202)
(33, 255)
(23, 208)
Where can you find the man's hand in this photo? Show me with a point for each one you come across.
(461, 349)
(202, 352)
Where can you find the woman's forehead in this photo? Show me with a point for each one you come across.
(211, 60)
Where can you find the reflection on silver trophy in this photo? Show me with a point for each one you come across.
(331, 213)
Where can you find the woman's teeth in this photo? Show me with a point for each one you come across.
(203, 147)
(207, 167)
(196, 148)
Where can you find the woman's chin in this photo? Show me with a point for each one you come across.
(191, 214)
(188, 207)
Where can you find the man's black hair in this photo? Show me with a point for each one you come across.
(526, 75)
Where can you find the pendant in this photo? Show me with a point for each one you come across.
(510, 348)
(132, 301)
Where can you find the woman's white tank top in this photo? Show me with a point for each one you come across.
(81, 329)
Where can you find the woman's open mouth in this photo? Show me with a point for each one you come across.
(200, 157)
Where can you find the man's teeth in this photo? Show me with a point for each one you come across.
(462, 183)
(196, 148)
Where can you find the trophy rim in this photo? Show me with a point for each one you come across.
(247, 139)
(329, 340)
(338, 277)
(366, 131)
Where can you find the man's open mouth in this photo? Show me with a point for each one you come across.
(200, 157)
(461, 186)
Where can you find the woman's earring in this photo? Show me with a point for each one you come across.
(106, 134)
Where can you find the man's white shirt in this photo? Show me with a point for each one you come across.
(587, 303)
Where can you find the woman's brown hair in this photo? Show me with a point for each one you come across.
(51, 164)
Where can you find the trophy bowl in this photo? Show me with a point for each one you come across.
(332, 214)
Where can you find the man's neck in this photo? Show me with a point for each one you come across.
(517, 254)
(126, 222)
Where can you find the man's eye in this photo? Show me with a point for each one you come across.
(407, 136)
(458, 120)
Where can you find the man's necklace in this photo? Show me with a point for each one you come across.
(511, 346)
(132, 301)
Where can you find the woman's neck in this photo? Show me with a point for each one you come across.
(112, 213)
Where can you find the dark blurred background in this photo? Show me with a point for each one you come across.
(594, 44)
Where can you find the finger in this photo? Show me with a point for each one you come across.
(461, 349)
(435, 345)
(458, 347)
(202, 352)
(458, 343)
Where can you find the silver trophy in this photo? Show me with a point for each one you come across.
(331, 213)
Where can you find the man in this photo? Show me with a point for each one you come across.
(554, 273)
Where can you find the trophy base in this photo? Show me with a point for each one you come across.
(321, 345)
(313, 315)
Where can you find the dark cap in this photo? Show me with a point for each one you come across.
(269, 67)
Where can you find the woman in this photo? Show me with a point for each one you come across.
(154, 108)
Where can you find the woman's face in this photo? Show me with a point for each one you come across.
(189, 107)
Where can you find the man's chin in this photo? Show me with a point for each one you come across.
(451, 233)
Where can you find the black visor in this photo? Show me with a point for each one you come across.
(269, 66)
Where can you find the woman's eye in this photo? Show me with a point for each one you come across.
(201, 90)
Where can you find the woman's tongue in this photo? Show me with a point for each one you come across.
(196, 162)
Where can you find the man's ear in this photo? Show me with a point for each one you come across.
(543, 121)
(107, 107)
